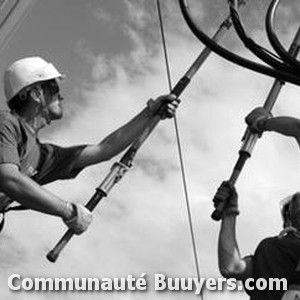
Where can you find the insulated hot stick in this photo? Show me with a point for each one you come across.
(250, 139)
(118, 169)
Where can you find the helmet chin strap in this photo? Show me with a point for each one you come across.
(42, 116)
(40, 97)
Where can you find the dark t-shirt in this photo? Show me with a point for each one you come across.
(44, 163)
(276, 257)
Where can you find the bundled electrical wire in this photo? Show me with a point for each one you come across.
(274, 41)
(280, 65)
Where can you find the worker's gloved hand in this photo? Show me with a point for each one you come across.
(165, 106)
(226, 199)
(81, 221)
(256, 119)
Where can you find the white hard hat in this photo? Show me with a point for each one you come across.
(25, 72)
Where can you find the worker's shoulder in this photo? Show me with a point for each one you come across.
(7, 115)
(268, 241)
(277, 242)
(8, 119)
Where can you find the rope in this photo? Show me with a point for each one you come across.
(181, 160)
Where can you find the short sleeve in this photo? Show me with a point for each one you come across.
(9, 136)
(57, 163)
(276, 258)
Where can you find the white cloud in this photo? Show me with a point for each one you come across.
(142, 226)
(137, 13)
(103, 15)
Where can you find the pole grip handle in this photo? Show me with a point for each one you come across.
(243, 156)
(54, 253)
(217, 213)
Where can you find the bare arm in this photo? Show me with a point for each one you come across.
(30, 194)
(261, 120)
(115, 142)
(121, 138)
(231, 264)
(285, 125)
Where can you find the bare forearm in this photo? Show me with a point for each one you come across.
(116, 142)
(284, 125)
(31, 195)
(230, 262)
(120, 139)
(162, 107)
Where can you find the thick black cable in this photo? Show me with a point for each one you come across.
(262, 53)
(181, 159)
(236, 59)
(274, 41)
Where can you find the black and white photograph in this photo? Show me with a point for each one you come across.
(149, 149)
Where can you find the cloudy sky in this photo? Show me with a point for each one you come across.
(112, 55)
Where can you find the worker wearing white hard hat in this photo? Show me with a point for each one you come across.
(31, 87)
(25, 72)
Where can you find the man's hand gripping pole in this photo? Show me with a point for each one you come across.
(249, 139)
(120, 168)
